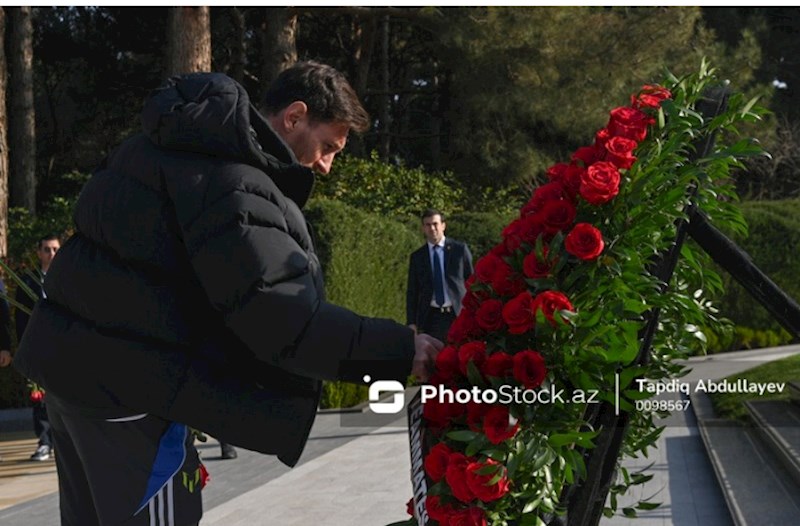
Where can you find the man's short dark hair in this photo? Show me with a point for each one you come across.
(49, 237)
(326, 92)
(430, 212)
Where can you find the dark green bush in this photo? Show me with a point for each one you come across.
(480, 230)
(389, 190)
(773, 244)
(364, 257)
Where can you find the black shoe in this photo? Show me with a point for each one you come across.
(42, 453)
(228, 451)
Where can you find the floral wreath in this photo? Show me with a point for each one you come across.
(558, 305)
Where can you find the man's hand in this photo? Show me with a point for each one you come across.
(5, 358)
(427, 347)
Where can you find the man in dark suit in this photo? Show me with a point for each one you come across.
(46, 249)
(437, 272)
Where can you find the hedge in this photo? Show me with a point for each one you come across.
(773, 244)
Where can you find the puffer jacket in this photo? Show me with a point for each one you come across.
(191, 289)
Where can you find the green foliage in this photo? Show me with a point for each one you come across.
(480, 230)
(342, 394)
(773, 243)
(25, 230)
(731, 405)
(735, 338)
(530, 81)
(364, 256)
(388, 190)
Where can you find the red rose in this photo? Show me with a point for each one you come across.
(557, 215)
(530, 228)
(512, 235)
(37, 395)
(436, 461)
(438, 511)
(497, 425)
(489, 315)
(553, 191)
(601, 137)
(600, 183)
(629, 122)
(587, 155)
(473, 298)
(447, 363)
(456, 477)
(463, 327)
(498, 364)
(568, 175)
(584, 241)
(472, 516)
(440, 414)
(550, 302)
(486, 266)
(471, 352)
(529, 368)
(619, 151)
(205, 477)
(518, 313)
(475, 413)
(505, 281)
(479, 485)
(535, 268)
(650, 96)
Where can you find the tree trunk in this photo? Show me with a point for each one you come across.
(279, 43)
(189, 40)
(365, 30)
(384, 114)
(3, 143)
(21, 117)
(237, 44)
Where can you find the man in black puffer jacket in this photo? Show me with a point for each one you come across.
(191, 294)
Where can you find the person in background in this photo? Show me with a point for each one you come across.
(46, 249)
(437, 275)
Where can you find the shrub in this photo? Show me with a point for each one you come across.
(480, 230)
(773, 244)
(389, 190)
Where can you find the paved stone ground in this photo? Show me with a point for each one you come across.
(359, 476)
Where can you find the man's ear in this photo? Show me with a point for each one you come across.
(293, 114)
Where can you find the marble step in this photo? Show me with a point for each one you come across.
(754, 481)
(778, 424)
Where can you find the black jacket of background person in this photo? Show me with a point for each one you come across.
(191, 289)
(419, 292)
(21, 318)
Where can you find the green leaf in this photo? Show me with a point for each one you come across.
(463, 435)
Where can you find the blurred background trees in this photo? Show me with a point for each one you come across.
(469, 105)
(493, 95)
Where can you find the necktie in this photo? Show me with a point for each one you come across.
(438, 281)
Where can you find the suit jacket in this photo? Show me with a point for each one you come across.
(457, 268)
(21, 318)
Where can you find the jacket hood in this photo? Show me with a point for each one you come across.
(211, 114)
